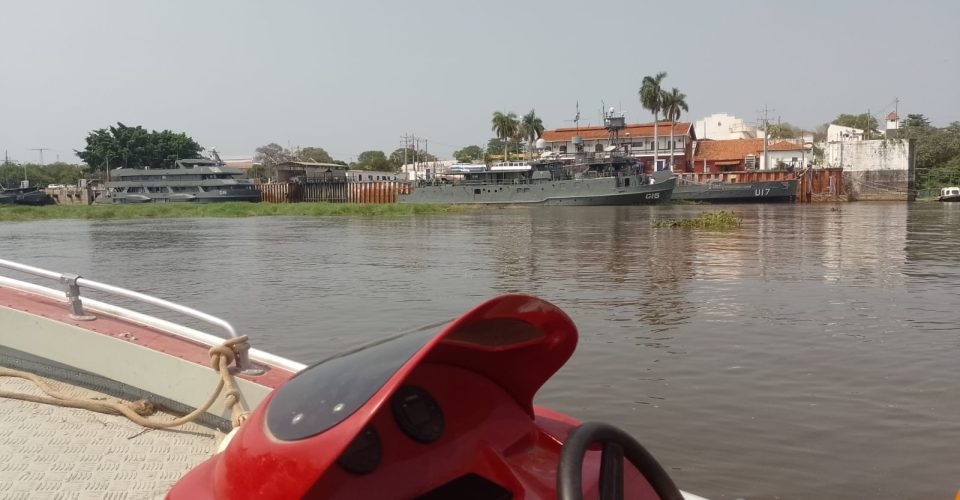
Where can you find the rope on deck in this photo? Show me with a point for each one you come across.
(220, 358)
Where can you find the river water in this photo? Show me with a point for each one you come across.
(813, 353)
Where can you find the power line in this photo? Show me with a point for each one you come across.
(41, 150)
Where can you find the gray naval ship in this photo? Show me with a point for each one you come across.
(608, 177)
(191, 180)
(715, 191)
(594, 180)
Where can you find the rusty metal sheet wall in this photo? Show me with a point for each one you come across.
(334, 192)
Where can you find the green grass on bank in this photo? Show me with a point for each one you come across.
(718, 221)
(227, 209)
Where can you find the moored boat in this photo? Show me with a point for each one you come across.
(24, 196)
(716, 191)
(443, 411)
(608, 179)
(191, 180)
(950, 194)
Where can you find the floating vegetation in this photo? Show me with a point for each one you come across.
(225, 209)
(719, 221)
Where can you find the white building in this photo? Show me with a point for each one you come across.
(722, 127)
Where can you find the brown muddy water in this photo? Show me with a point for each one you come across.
(813, 353)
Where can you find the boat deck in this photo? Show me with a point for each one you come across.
(64, 453)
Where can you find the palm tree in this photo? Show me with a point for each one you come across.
(651, 98)
(531, 128)
(506, 127)
(674, 103)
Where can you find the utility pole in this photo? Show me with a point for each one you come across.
(41, 150)
(766, 130)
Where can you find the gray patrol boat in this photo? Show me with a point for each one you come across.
(191, 180)
(603, 178)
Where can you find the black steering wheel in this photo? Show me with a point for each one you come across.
(616, 445)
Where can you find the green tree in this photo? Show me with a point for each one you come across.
(779, 131)
(864, 122)
(531, 128)
(506, 127)
(135, 147)
(371, 160)
(468, 154)
(42, 175)
(512, 147)
(314, 154)
(271, 155)
(651, 98)
(937, 151)
(408, 155)
(674, 104)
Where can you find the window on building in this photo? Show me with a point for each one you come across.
(563, 149)
(598, 148)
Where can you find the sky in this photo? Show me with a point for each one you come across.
(356, 75)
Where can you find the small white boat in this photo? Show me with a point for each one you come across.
(950, 194)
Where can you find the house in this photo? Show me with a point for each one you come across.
(723, 127)
(292, 171)
(635, 140)
(747, 154)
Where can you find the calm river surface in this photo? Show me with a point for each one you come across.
(813, 353)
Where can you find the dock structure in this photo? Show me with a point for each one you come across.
(333, 192)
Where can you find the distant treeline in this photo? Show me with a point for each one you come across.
(42, 175)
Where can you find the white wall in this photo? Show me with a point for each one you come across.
(840, 133)
(721, 126)
(854, 156)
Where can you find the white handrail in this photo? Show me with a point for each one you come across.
(72, 295)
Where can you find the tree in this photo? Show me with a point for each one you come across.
(674, 104)
(782, 131)
(531, 128)
(372, 160)
(135, 147)
(41, 175)
(864, 122)
(468, 154)
(506, 127)
(272, 155)
(508, 145)
(314, 154)
(409, 155)
(651, 98)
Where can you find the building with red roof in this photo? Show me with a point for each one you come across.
(635, 140)
(747, 154)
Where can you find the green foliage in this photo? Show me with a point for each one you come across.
(468, 154)
(372, 160)
(783, 131)
(314, 154)
(271, 155)
(399, 155)
(864, 122)
(651, 93)
(227, 209)
(136, 147)
(937, 151)
(42, 176)
(496, 146)
(720, 221)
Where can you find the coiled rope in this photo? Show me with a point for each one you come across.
(221, 357)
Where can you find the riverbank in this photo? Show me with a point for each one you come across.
(228, 209)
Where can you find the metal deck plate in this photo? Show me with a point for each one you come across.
(65, 453)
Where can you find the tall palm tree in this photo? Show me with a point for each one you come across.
(531, 128)
(506, 127)
(674, 103)
(651, 98)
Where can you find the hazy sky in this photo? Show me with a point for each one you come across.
(352, 75)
